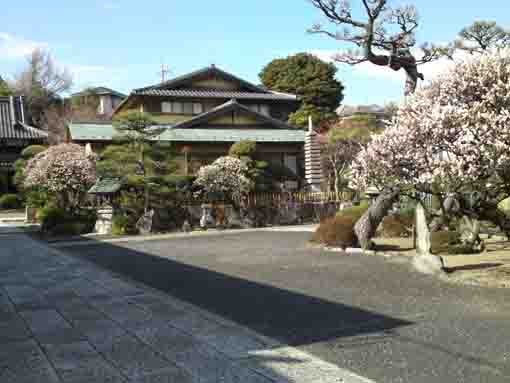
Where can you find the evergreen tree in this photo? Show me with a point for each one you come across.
(137, 156)
(4, 88)
(312, 79)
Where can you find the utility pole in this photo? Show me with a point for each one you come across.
(164, 72)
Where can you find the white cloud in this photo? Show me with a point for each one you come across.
(13, 47)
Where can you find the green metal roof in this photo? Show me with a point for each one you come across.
(105, 132)
(106, 186)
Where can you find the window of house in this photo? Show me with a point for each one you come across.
(197, 108)
(187, 108)
(166, 107)
(177, 107)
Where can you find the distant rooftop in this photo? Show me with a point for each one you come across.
(99, 90)
(350, 110)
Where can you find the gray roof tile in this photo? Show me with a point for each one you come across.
(16, 130)
(214, 93)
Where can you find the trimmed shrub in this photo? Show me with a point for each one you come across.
(4, 182)
(10, 201)
(243, 148)
(56, 221)
(120, 224)
(51, 216)
(442, 241)
(393, 226)
(337, 232)
(354, 212)
(32, 150)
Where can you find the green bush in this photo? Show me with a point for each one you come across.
(56, 221)
(336, 231)
(442, 241)
(354, 212)
(51, 216)
(36, 198)
(120, 225)
(32, 150)
(10, 201)
(243, 148)
(4, 182)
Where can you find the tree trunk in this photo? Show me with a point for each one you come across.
(337, 191)
(367, 225)
(450, 204)
(412, 76)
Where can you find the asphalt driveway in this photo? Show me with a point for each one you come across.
(366, 314)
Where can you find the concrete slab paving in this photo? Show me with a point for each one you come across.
(369, 315)
(64, 319)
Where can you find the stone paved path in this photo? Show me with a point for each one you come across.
(63, 319)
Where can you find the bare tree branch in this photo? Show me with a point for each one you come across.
(386, 37)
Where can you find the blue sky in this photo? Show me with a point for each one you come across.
(122, 43)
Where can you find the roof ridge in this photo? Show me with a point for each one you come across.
(202, 71)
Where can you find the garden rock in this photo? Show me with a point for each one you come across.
(424, 261)
(144, 224)
(207, 219)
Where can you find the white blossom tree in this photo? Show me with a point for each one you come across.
(449, 139)
(225, 176)
(64, 170)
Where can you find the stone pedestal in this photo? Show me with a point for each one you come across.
(104, 221)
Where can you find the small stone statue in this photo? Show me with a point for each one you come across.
(144, 224)
(207, 219)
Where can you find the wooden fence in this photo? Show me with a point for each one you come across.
(279, 198)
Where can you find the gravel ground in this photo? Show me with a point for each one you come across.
(366, 314)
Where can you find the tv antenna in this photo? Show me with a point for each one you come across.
(164, 71)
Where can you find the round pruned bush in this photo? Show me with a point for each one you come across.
(354, 212)
(396, 226)
(336, 232)
(32, 150)
(58, 221)
(442, 241)
(10, 201)
(245, 148)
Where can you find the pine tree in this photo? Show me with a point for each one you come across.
(312, 79)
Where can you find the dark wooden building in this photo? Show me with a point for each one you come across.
(15, 134)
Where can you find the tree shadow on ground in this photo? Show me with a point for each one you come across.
(288, 316)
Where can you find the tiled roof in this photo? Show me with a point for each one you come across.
(214, 93)
(106, 186)
(210, 70)
(16, 130)
(350, 110)
(99, 90)
(104, 132)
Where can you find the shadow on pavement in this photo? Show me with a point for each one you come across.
(288, 316)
